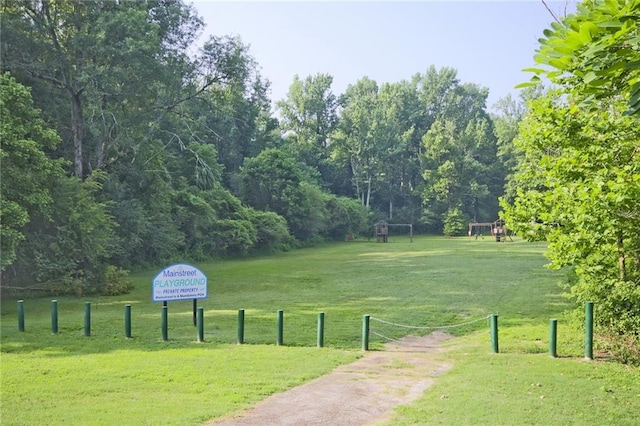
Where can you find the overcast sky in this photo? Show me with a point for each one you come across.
(487, 42)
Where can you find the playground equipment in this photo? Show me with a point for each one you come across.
(497, 229)
(381, 230)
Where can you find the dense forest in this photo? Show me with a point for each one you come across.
(127, 141)
(152, 145)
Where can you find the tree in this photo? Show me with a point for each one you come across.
(309, 115)
(235, 108)
(400, 171)
(579, 179)
(579, 189)
(273, 181)
(162, 124)
(70, 250)
(462, 177)
(510, 113)
(27, 172)
(358, 137)
(112, 61)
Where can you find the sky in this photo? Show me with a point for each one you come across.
(487, 42)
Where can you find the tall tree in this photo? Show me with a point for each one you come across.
(400, 113)
(99, 55)
(27, 172)
(359, 136)
(462, 178)
(235, 108)
(309, 114)
(579, 189)
(506, 121)
(579, 180)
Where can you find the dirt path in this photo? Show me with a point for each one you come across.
(361, 393)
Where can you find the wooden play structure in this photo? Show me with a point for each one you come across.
(381, 230)
(497, 230)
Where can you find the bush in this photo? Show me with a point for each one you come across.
(115, 282)
(346, 217)
(272, 232)
(455, 222)
(625, 348)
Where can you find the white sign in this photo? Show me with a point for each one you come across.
(179, 282)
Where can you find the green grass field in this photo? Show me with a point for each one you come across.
(68, 378)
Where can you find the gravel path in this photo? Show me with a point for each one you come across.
(361, 393)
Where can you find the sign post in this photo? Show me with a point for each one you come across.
(179, 282)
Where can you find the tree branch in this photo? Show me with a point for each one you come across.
(555, 17)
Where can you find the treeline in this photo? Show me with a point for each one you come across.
(127, 142)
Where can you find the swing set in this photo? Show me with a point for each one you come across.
(497, 230)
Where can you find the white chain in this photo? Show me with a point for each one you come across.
(384, 337)
(430, 328)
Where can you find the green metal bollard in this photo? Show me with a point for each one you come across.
(321, 329)
(127, 321)
(494, 333)
(365, 332)
(588, 331)
(553, 337)
(280, 327)
(240, 326)
(200, 321)
(165, 323)
(20, 315)
(54, 316)
(87, 319)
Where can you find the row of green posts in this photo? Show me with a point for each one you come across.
(553, 333)
(199, 323)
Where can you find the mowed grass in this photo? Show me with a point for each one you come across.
(68, 378)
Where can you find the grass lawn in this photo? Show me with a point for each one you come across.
(68, 378)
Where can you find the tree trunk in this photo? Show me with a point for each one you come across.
(621, 258)
(77, 133)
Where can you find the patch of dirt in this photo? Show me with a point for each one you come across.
(361, 393)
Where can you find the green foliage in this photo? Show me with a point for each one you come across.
(460, 165)
(27, 172)
(168, 127)
(193, 216)
(239, 228)
(74, 244)
(234, 110)
(346, 216)
(309, 116)
(272, 231)
(595, 53)
(455, 222)
(125, 49)
(116, 281)
(579, 189)
(510, 113)
(359, 137)
(579, 179)
(274, 182)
